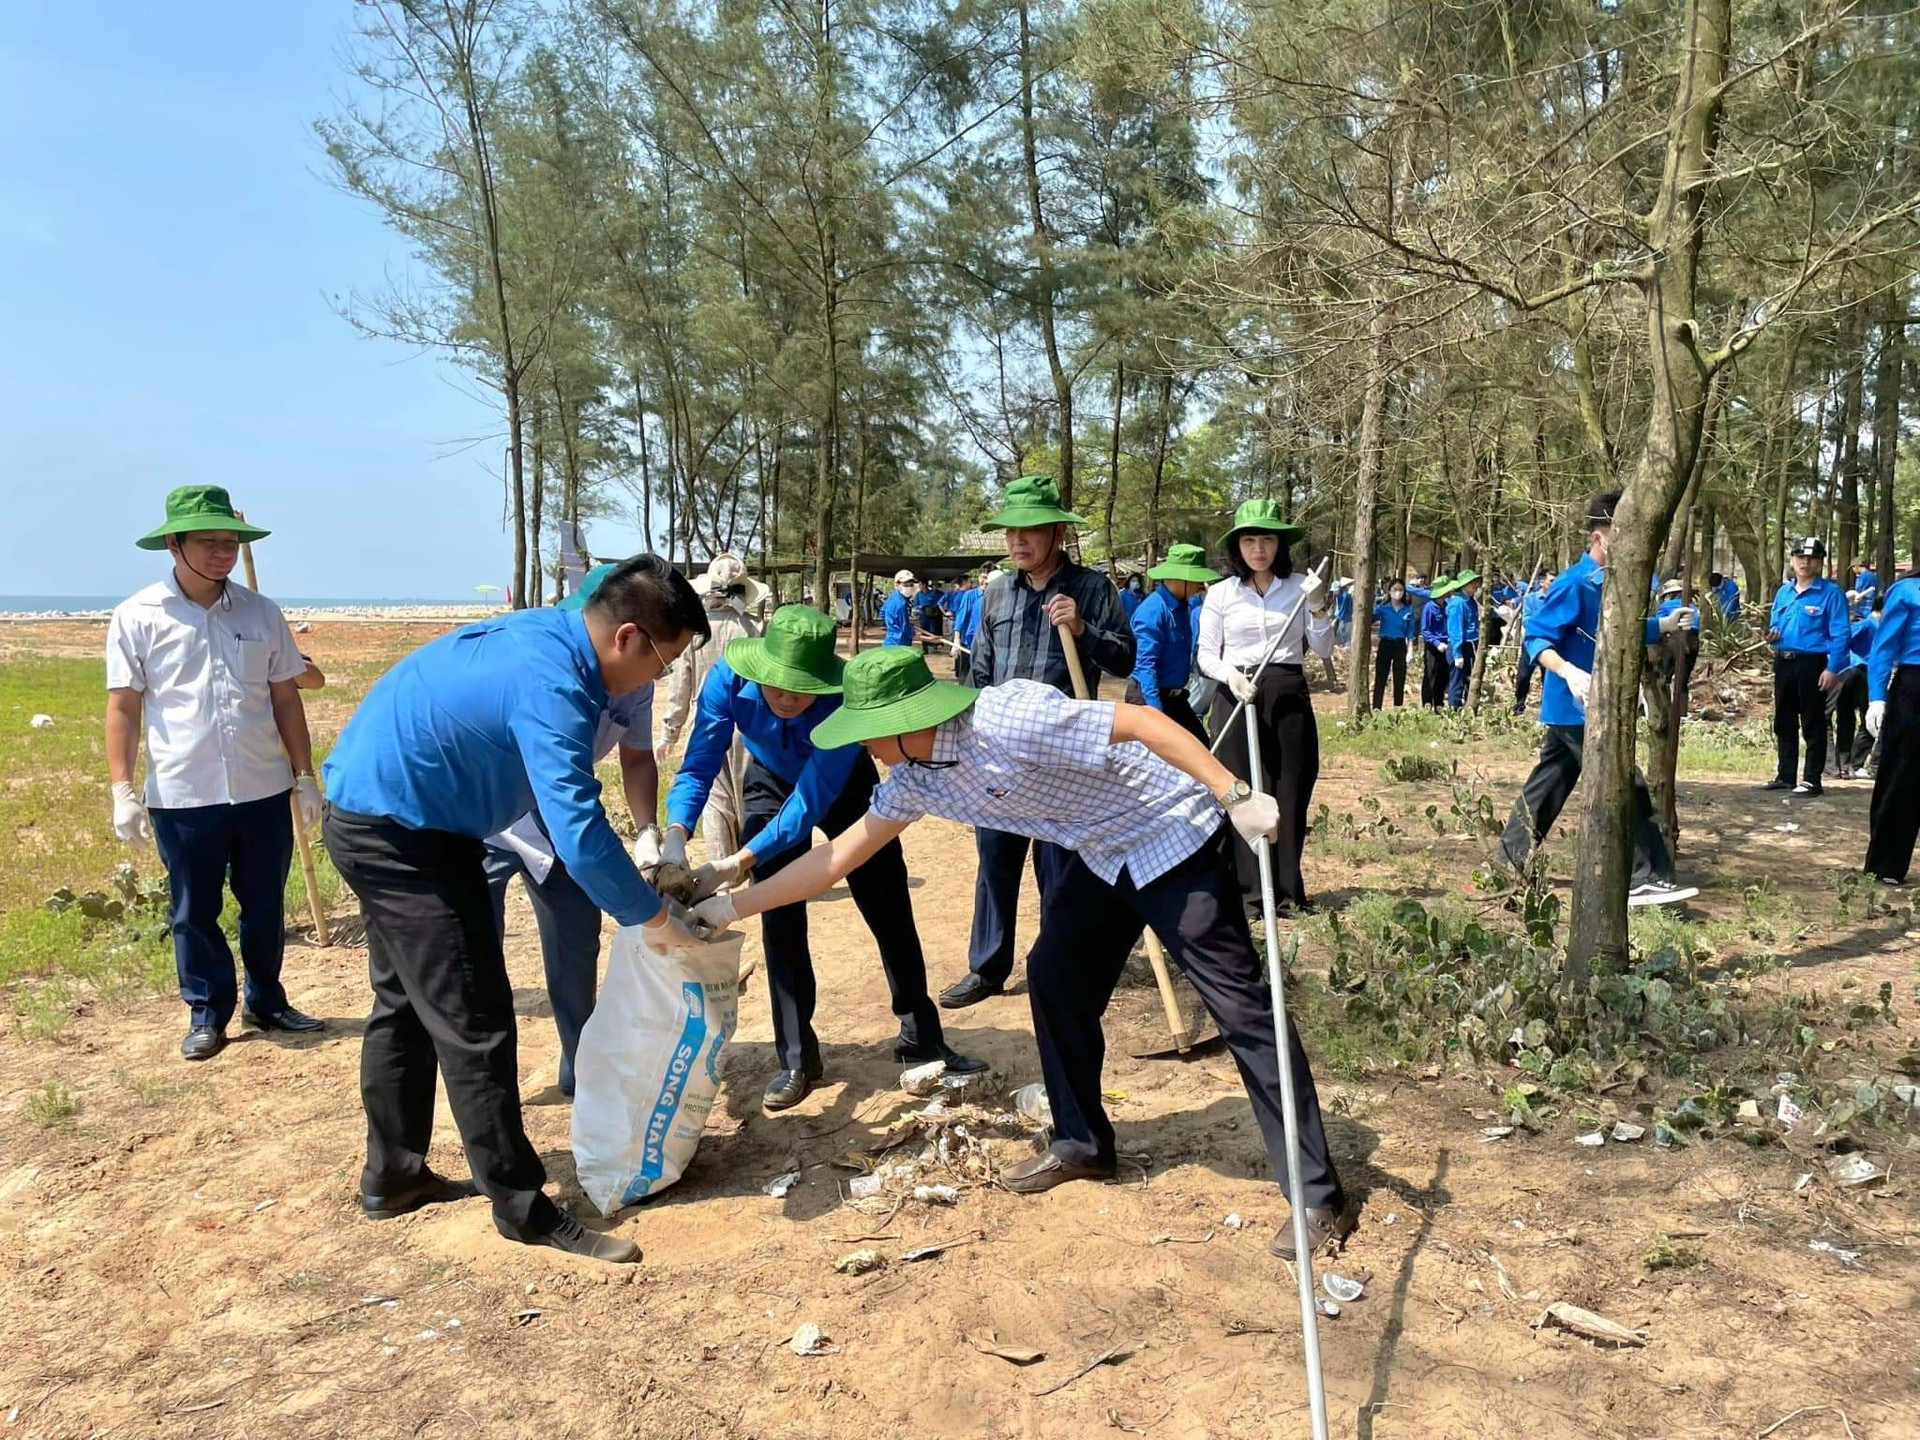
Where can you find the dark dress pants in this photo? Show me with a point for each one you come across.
(1290, 764)
(1894, 818)
(996, 897)
(879, 890)
(1086, 933)
(440, 997)
(1175, 705)
(1799, 712)
(1545, 794)
(1460, 676)
(204, 849)
(1390, 655)
(569, 925)
(1523, 679)
(1847, 706)
(1433, 676)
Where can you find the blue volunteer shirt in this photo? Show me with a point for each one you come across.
(1566, 621)
(1864, 586)
(1727, 595)
(966, 616)
(897, 616)
(471, 731)
(1130, 602)
(1860, 645)
(1163, 640)
(1506, 593)
(1343, 605)
(1395, 622)
(1433, 623)
(1463, 620)
(1812, 622)
(729, 703)
(1896, 638)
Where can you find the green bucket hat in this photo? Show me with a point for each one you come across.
(1441, 588)
(1185, 562)
(889, 691)
(589, 583)
(1033, 500)
(1262, 515)
(796, 653)
(1461, 580)
(198, 507)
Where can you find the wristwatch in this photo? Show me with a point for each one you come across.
(1236, 792)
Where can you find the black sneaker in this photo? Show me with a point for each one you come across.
(570, 1235)
(1659, 892)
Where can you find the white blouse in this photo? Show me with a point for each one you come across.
(1238, 623)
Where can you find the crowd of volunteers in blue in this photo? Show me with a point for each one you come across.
(472, 761)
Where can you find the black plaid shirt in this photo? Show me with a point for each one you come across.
(1016, 641)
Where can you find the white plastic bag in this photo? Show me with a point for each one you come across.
(649, 1065)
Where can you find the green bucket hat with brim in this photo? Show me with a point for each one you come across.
(1032, 500)
(1264, 516)
(795, 654)
(199, 507)
(1185, 562)
(1441, 588)
(889, 691)
(1464, 578)
(589, 583)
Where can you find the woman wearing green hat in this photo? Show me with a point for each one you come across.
(1239, 624)
(774, 693)
(212, 670)
(1434, 669)
(1163, 635)
(1141, 816)
(1463, 635)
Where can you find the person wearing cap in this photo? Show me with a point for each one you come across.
(1810, 633)
(897, 614)
(1866, 585)
(1561, 637)
(1039, 589)
(1163, 636)
(1463, 634)
(564, 914)
(452, 745)
(1434, 671)
(1530, 600)
(1140, 815)
(212, 670)
(1893, 718)
(1673, 597)
(773, 693)
(1725, 592)
(1263, 613)
(1395, 619)
(730, 596)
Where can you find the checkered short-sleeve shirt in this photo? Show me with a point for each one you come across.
(1027, 759)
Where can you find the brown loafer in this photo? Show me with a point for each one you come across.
(1325, 1229)
(1046, 1170)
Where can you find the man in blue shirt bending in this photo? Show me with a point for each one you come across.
(456, 743)
(773, 691)
(1560, 637)
(1860, 597)
(1893, 675)
(1163, 636)
(1810, 633)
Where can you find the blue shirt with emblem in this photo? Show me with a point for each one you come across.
(1395, 622)
(1567, 619)
(1812, 622)
(966, 615)
(897, 616)
(1433, 622)
(1896, 639)
(1162, 645)
(1463, 619)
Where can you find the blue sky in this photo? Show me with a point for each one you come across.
(169, 248)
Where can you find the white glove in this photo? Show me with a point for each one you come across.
(667, 934)
(1852, 596)
(1311, 586)
(953, 645)
(306, 794)
(1459, 662)
(130, 821)
(673, 850)
(1441, 647)
(1681, 619)
(646, 851)
(1579, 683)
(714, 914)
(1256, 818)
(1241, 685)
(1876, 717)
(718, 875)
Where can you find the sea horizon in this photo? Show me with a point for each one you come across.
(53, 604)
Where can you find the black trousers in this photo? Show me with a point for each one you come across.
(1523, 679)
(1175, 705)
(879, 890)
(1545, 794)
(1799, 712)
(1088, 930)
(1390, 654)
(1895, 817)
(1847, 706)
(569, 926)
(441, 998)
(1290, 762)
(996, 897)
(1434, 674)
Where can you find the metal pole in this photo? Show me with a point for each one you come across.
(1319, 574)
(1290, 1115)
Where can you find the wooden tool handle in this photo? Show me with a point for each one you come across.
(1176, 1022)
(1080, 690)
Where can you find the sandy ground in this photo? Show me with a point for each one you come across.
(185, 1257)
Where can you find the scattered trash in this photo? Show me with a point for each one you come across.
(811, 1340)
(1392, 1219)
(1031, 1101)
(1909, 1093)
(1666, 1137)
(1180, 1239)
(1233, 1221)
(1593, 1139)
(1113, 1094)
(1788, 1113)
(1827, 1247)
(988, 1343)
(1748, 1113)
(781, 1184)
(959, 1082)
(1250, 1327)
(1112, 1355)
(927, 1252)
(1787, 829)
(1495, 1132)
(1341, 1288)
(428, 1335)
(1589, 1325)
(1852, 1171)
(923, 1079)
(303, 628)
(864, 1187)
(41, 722)
(1325, 1306)
(859, 1262)
(1623, 1133)
(265, 1205)
(935, 1194)
(1802, 1183)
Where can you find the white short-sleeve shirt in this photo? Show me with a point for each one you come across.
(203, 676)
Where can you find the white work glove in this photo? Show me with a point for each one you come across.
(1853, 596)
(1310, 588)
(1876, 717)
(646, 851)
(1441, 647)
(1579, 683)
(130, 821)
(1459, 662)
(667, 934)
(953, 645)
(673, 849)
(714, 914)
(1256, 818)
(718, 875)
(1241, 685)
(1681, 619)
(306, 794)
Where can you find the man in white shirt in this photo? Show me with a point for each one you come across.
(731, 596)
(213, 670)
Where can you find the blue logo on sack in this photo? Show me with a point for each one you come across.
(666, 1108)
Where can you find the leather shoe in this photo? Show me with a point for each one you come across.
(1777, 784)
(1325, 1227)
(289, 1019)
(1046, 1170)
(203, 1042)
(429, 1189)
(790, 1087)
(957, 1064)
(970, 989)
(570, 1235)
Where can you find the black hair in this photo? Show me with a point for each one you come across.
(1235, 562)
(648, 592)
(1600, 510)
(1715, 578)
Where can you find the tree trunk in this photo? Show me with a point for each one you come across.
(1886, 428)
(1160, 465)
(519, 489)
(1597, 932)
(1846, 539)
(1366, 505)
(536, 576)
(646, 466)
(859, 524)
(1043, 246)
(1113, 458)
